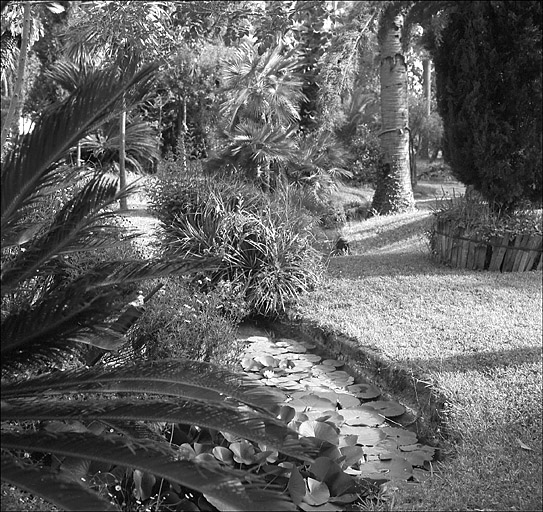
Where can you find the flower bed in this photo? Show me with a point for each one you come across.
(507, 252)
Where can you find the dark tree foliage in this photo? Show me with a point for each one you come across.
(313, 41)
(488, 66)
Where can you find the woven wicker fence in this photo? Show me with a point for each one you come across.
(507, 253)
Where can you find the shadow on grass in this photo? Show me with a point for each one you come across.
(384, 264)
(376, 237)
(482, 361)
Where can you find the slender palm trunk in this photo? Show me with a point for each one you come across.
(394, 193)
(122, 159)
(427, 89)
(16, 97)
(182, 130)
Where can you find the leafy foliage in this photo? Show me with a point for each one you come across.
(265, 247)
(489, 95)
(181, 322)
(475, 215)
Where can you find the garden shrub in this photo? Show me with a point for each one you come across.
(264, 241)
(488, 76)
(181, 322)
(481, 222)
(365, 150)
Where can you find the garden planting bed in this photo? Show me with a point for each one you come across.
(504, 253)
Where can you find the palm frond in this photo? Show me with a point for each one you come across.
(29, 166)
(60, 491)
(141, 146)
(80, 224)
(223, 484)
(50, 328)
(112, 273)
(174, 377)
(68, 74)
(217, 416)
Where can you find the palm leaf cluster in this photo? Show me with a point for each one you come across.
(265, 86)
(102, 146)
(64, 430)
(264, 91)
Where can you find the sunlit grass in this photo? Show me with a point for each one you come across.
(476, 336)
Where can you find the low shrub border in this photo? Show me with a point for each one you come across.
(505, 253)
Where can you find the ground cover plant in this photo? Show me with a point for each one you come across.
(475, 337)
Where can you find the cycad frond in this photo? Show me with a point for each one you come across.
(80, 309)
(217, 416)
(112, 273)
(29, 166)
(174, 377)
(79, 225)
(223, 484)
(58, 490)
(51, 327)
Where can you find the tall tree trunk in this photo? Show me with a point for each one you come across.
(182, 130)
(159, 132)
(394, 193)
(427, 88)
(122, 158)
(16, 97)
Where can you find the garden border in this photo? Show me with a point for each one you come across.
(505, 253)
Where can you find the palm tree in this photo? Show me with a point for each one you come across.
(90, 421)
(393, 193)
(264, 93)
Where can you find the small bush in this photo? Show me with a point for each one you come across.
(182, 322)
(265, 241)
(366, 152)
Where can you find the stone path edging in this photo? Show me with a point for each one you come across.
(398, 383)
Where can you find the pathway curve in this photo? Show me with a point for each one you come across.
(323, 401)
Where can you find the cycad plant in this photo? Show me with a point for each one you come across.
(66, 433)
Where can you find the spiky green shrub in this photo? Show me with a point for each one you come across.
(73, 437)
(488, 73)
(265, 243)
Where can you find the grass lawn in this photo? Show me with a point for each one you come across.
(476, 336)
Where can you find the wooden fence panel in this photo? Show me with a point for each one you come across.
(508, 253)
(498, 251)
